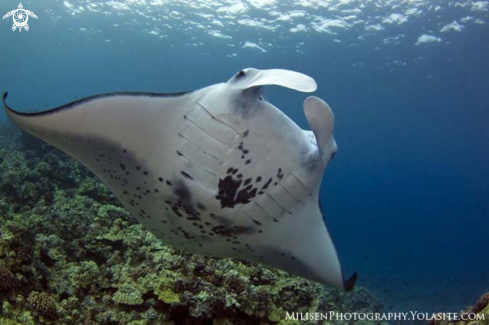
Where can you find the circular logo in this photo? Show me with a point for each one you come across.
(20, 18)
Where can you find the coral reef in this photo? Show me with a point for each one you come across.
(6, 279)
(42, 303)
(70, 254)
(475, 315)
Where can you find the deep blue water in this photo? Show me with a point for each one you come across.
(407, 195)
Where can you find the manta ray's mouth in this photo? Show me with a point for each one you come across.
(262, 96)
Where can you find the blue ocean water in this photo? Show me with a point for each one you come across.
(407, 195)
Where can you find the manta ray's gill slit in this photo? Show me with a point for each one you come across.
(256, 222)
(215, 118)
(289, 194)
(203, 130)
(278, 204)
(194, 165)
(263, 210)
(205, 152)
(302, 183)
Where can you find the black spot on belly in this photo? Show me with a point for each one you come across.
(182, 191)
(184, 201)
(186, 175)
(201, 206)
(230, 191)
(233, 231)
(228, 187)
(264, 187)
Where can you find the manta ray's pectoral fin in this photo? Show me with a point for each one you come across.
(321, 120)
(305, 248)
(118, 136)
(249, 78)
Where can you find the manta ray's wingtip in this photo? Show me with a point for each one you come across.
(4, 97)
(350, 283)
(8, 109)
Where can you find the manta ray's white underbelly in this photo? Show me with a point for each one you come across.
(213, 195)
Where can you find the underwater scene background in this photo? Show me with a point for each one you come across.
(405, 198)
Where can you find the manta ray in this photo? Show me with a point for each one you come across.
(217, 171)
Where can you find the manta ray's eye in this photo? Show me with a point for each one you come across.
(241, 73)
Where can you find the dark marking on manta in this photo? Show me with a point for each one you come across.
(186, 175)
(258, 223)
(201, 206)
(230, 194)
(233, 231)
(264, 187)
(185, 200)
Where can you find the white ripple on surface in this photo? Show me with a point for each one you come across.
(252, 45)
(452, 27)
(240, 21)
(425, 38)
